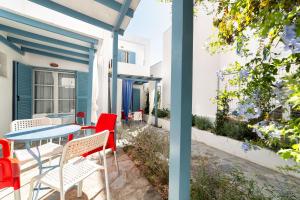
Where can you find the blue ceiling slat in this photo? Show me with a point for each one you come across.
(122, 13)
(45, 47)
(43, 53)
(46, 27)
(11, 45)
(42, 38)
(116, 6)
(75, 14)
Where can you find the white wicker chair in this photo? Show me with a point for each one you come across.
(46, 150)
(73, 168)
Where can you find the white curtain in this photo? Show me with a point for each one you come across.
(94, 113)
(151, 100)
(100, 79)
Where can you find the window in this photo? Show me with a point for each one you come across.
(127, 56)
(54, 92)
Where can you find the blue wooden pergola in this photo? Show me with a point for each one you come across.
(181, 74)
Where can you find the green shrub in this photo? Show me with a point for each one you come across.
(211, 183)
(237, 130)
(202, 123)
(150, 151)
(162, 113)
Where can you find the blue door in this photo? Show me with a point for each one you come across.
(22, 91)
(81, 91)
(135, 99)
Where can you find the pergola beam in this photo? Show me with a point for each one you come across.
(181, 99)
(45, 47)
(44, 53)
(46, 27)
(123, 11)
(115, 6)
(75, 14)
(11, 45)
(42, 38)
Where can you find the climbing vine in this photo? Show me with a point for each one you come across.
(265, 34)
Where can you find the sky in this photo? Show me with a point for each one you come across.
(151, 19)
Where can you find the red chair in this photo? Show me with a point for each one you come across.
(106, 121)
(81, 116)
(9, 170)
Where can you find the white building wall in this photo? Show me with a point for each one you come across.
(141, 47)
(205, 66)
(6, 88)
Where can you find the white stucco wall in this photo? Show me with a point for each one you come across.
(205, 67)
(141, 47)
(6, 88)
(156, 69)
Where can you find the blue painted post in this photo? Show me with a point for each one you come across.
(181, 99)
(90, 86)
(155, 105)
(114, 73)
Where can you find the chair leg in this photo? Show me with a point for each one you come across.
(12, 149)
(62, 195)
(116, 161)
(106, 178)
(31, 189)
(100, 159)
(79, 189)
(17, 194)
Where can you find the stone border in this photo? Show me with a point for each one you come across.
(262, 156)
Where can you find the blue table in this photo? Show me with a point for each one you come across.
(30, 135)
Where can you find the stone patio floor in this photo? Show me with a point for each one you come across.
(129, 185)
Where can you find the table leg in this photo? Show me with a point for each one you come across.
(39, 161)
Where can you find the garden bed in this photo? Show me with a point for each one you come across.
(260, 156)
(209, 179)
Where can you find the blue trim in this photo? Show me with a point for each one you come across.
(44, 53)
(116, 6)
(90, 87)
(11, 45)
(123, 11)
(42, 38)
(181, 103)
(45, 47)
(44, 26)
(114, 73)
(72, 13)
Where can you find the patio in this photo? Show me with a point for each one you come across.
(130, 184)
(44, 101)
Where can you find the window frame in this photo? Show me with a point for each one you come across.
(55, 91)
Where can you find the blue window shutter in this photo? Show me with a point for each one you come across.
(81, 91)
(131, 57)
(22, 91)
(120, 52)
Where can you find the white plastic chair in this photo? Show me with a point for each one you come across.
(73, 168)
(138, 116)
(46, 150)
